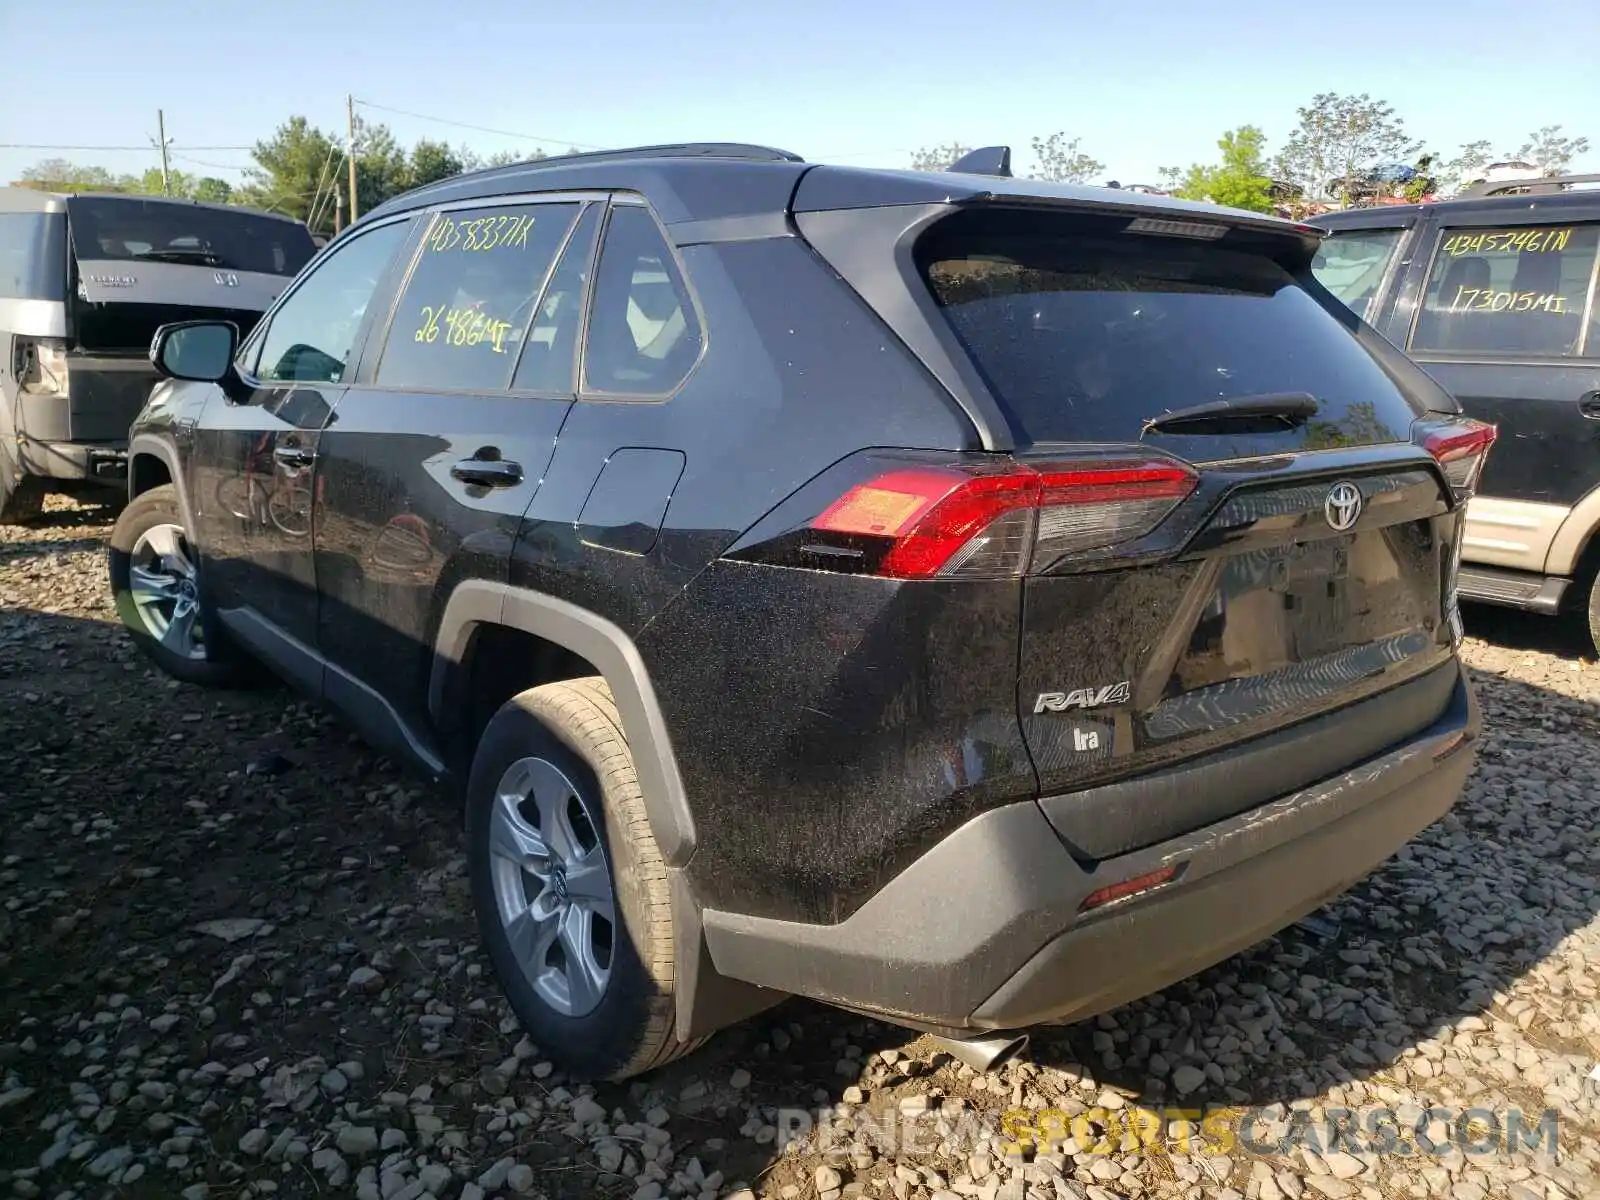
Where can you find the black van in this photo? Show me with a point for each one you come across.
(85, 281)
(1493, 294)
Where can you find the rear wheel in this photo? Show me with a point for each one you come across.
(155, 582)
(568, 883)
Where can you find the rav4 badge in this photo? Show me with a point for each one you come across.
(1112, 693)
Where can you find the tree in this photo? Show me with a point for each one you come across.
(937, 158)
(1550, 152)
(1468, 165)
(62, 175)
(382, 168)
(295, 167)
(432, 161)
(1340, 137)
(1240, 179)
(507, 158)
(1060, 160)
(213, 190)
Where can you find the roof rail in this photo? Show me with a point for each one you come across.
(1545, 186)
(742, 150)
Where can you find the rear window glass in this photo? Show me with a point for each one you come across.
(124, 229)
(1083, 332)
(33, 258)
(1351, 264)
(1516, 291)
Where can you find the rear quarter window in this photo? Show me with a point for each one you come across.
(1515, 291)
(33, 256)
(1084, 331)
(1351, 264)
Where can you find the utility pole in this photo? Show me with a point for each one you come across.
(350, 153)
(161, 134)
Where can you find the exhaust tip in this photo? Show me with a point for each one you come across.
(987, 1053)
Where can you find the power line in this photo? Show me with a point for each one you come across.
(146, 148)
(531, 137)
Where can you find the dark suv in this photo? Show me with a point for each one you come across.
(968, 601)
(1494, 295)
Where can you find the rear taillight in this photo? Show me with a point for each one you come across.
(990, 522)
(1461, 447)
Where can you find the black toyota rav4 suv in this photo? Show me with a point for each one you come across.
(972, 602)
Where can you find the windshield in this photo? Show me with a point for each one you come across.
(1351, 265)
(130, 229)
(1084, 332)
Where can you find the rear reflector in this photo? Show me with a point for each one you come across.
(1127, 887)
(1461, 447)
(993, 521)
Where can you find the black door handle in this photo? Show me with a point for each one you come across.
(294, 456)
(488, 472)
(1589, 405)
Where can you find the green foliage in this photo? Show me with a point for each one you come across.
(1550, 152)
(1338, 137)
(1060, 160)
(937, 158)
(1239, 180)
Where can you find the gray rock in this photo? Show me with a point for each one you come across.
(357, 1139)
(254, 1141)
(495, 1176)
(365, 981)
(1187, 1078)
(520, 1179)
(586, 1111)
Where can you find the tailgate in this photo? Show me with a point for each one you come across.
(1270, 618)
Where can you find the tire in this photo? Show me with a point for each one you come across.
(572, 735)
(1594, 612)
(150, 524)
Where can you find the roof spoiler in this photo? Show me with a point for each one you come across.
(990, 160)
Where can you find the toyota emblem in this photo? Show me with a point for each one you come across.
(1343, 506)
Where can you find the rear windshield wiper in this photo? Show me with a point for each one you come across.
(203, 257)
(1289, 408)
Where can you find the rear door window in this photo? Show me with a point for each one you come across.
(1351, 264)
(463, 315)
(1517, 291)
(1083, 331)
(128, 229)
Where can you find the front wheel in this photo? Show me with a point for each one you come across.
(568, 883)
(155, 583)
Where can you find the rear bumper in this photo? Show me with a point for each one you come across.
(984, 931)
(101, 463)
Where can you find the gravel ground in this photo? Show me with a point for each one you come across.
(236, 960)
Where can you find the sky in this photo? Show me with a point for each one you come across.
(1142, 83)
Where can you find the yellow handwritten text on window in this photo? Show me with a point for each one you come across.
(1489, 300)
(1508, 241)
(499, 231)
(461, 327)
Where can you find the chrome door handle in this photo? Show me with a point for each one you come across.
(294, 456)
(1589, 405)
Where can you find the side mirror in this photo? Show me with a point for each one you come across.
(201, 351)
